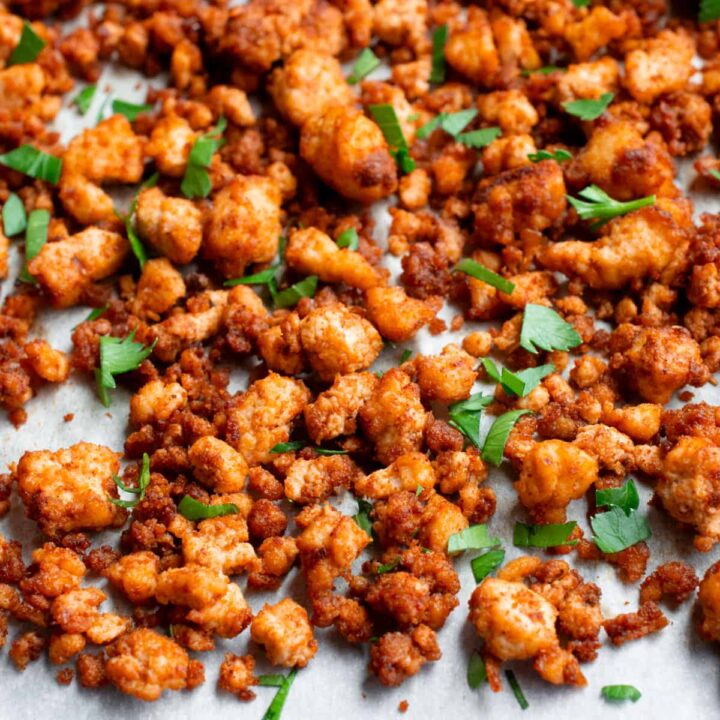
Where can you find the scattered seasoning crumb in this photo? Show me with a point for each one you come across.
(65, 676)
(69, 417)
(403, 706)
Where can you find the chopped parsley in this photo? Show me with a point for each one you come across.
(291, 446)
(558, 155)
(407, 354)
(348, 239)
(439, 39)
(465, 416)
(276, 706)
(543, 536)
(517, 690)
(14, 216)
(479, 138)
(480, 272)
(589, 109)
(195, 510)
(494, 445)
(142, 484)
(452, 123)
(476, 673)
(196, 181)
(543, 328)
(387, 567)
(35, 237)
(545, 70)
(387, 120)
(617, 530)
(625, 497)
(33, 162)
(28, 48)
(83, 100)
(362, 517)
(596, 204)
(366, 62)
(292, 295)
(520, 383)
(474, 537)
(484, 564)
(118, 356)
(619, 693)
(136, 244)
(130, 110)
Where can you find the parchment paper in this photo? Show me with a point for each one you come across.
(676, 672)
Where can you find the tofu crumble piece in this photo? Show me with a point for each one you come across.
(341, 319)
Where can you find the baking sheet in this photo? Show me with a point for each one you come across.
(675, 671)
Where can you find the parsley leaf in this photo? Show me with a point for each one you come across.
(143, 482)
(596, 204)
(465, 416)
(625, 497)
(476, 673)
(387, 120)
(616, 530)
(474, 537)
(271, 680)
(118, 356)
(348, 239)
(366, 62)
(439, 39)
(329, 451)
(520, 383)
(29, 47)
(494, 445)
(545, 70)
(84, 99)
(291, 446)
(543, 536)
(621, 692)
(558, 155)
(517, 690)
(196, 181)
(136, 244)
(292, 295)
(480, 272)
(130, 110)
(260, 278)
(35, 237)
(484, 564)
(407, 354)
(195, 510)
(543, 328)
(387, 567)
(96, 313)
(276, 706)
(452, 123)
(33, 162)
(362, 517)
(580, 3)
(13, 216)
(479, 138)
(589, 109)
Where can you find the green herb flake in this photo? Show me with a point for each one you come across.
(520, 383)
(616, 530)
(291, 296)
(142, 485)
(618, 693)
(543, 536)
(517, 690)
(83, 100)
(362, 517)
(387, 120)
(196, 181)
(407, 354)
(475, 537)
(291, 446)
(118, 356)
(494, 445)
(14, 216)
(35, 237)
(465, 416)
(596, 204)
(545, 70)
(195, 510)
(328, 451)
(476, 673)
(714, 173)
(559, 155)
(276, 706)
(271, 680)
(96, 313)
(33, 162)
(366, 62)
(439, 39)
(580, 3)
(479, 138)
(387, 567)
(130, 110)
(348, 239)
(589, 109)
(625, 497)
(543, 328)
(452, 123)
(480, 272)
(419, 490)
(29, 47)
(260, 278)
(484, 564)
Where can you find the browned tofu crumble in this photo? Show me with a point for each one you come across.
(288, 182)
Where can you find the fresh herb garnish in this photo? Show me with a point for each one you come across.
(142, 484)
(617, 530)
(543, 536)
(136, 244)
(545, 70)
(276, 706)
(348, 239)
(131, 110)
(494, 445)
(621, 692)
(596, 204)
(292, 295)
(362, 517)
(543, 328)
(196, 181)
(480, 272)
(291, 446)
(452, 123)
(366, 62)
(193, 509)
(580, 3)
(83, 100)
(439, 39)
(465, 416)
(13, 216)
(28, 48)
(387, 120)
(33, 162)
(589, 109)
(476, 673)
(271, 680)
(484, 564)
(479, 138)
(35, 237)
(260, 278)
(474, 537)
(419, 490)
(387, 567)
(520, 383)
(96, 313)
(407, 354)
(558, 155)
(118, 356)
(625, 497)
(517, 690)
